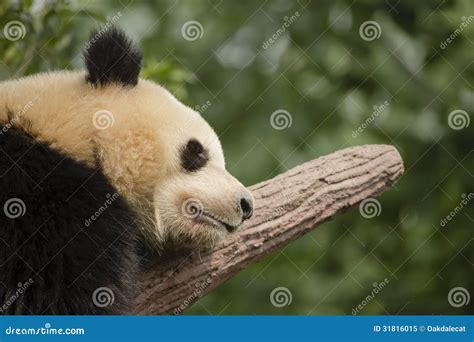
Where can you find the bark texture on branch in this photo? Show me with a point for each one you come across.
(286, 207)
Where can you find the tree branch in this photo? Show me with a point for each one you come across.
(286, 207)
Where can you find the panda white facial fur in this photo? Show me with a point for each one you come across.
(91, 158)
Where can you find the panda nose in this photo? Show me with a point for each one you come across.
(247, 208)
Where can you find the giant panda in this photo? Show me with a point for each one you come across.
(92, 164)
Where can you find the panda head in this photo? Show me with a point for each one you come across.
(161, 155)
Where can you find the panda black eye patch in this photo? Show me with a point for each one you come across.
(194, 156)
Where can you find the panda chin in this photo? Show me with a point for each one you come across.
(212, 221)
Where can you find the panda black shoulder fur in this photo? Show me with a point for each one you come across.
(93, 162)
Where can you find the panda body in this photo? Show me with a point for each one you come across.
(46, 242)
(92, 164)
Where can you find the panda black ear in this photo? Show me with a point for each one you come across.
(112, 57)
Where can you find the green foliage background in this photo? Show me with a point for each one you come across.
(329, 79)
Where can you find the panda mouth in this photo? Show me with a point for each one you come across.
(214, 221)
